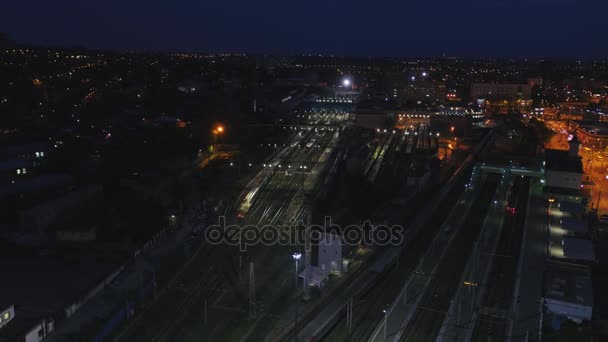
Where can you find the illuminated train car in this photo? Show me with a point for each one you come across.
(243, 209)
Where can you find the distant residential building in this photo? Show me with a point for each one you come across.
(500, 91)
(376, 113)
(32, 151)
(537, 112)
(461, 118)
(373, 119)
(421, 90)
(18, 162)
(12, 170)
(43, 215)
(278, 100)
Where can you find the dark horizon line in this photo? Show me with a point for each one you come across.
(166, 51)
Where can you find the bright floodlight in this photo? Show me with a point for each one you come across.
(346, 82)
(424, 74)
(296, 256)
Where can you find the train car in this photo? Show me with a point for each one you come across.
(244, 207)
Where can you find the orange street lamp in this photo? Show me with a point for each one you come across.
(220, 129)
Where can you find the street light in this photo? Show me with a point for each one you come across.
(217, 131)
(385, 321)
(296, 257)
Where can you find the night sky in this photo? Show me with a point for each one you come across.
(509, 28)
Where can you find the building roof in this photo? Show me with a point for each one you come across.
(574, 225)
(583, 192)
(569, 283)
(571, 207)
(561, 160)
(578, 249)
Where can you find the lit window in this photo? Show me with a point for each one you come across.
(7, 315)
(18, 171)
(24, 171)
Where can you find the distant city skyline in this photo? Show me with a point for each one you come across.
(535, 29)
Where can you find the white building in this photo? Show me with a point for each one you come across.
(564, 169)
(330, 254)
(328, 259)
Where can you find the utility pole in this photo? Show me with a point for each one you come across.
(307, 249)
(296, 257)
(240, 267)
(349, 315)
(252, 308)
(540, 321)
(205, 310)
